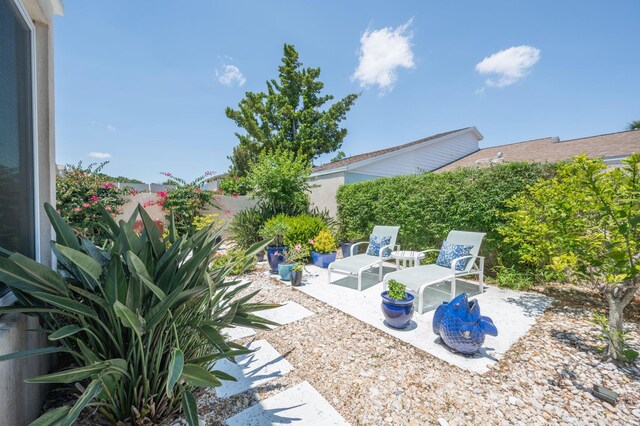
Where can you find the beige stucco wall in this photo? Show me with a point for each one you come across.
(323, 195)
(20, 403)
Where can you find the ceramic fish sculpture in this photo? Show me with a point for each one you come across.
(461, 326)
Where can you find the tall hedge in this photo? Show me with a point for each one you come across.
(428, 206)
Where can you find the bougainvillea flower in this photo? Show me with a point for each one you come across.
(95, 198)
(162, 194)
(86, 205)
(107, 208)
(77, 209)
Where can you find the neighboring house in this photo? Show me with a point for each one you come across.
(27, 180)
(419, 156)
(611, 147)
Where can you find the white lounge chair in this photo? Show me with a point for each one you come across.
(417, 279)
(356, 264)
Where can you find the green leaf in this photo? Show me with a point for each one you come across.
(223, 376)
(66, 303)
(190, 408)
(115, 283)
(84, 263)
(129, 319)
(41, 272)
(66, 331)
(153, 234)
(198, 376)
(64, 232)
(94, 388)
(69, 376)
(13, 275)
(51, 417)
(215, 357)
(34, 352)
(113, 226)
(175, 370)
(140, 271)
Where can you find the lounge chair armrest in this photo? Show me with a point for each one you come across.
(382, 249)
(458, 259)
(354, 245)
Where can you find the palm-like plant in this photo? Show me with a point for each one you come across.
(634, 125)
(140, 322)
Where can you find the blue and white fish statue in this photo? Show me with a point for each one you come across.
(461, 326)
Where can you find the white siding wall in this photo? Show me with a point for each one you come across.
(323, 195)
(423, 158)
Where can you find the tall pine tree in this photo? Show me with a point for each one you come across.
(289, 116)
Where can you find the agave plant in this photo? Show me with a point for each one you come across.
(140, 323)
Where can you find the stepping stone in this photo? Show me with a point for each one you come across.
(252, 370)
(300, 404)
(237, 333)
(287, 313)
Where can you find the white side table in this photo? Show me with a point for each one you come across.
(412, 258)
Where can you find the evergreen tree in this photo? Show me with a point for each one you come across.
(288, 117)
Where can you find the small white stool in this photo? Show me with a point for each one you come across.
(412, 258)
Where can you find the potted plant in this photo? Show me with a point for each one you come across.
(347, 239)
(324, 249)
(397, 305)
(275, 230)
(296, 258)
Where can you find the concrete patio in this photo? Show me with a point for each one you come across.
(513, 312)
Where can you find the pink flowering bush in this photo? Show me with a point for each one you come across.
(79, 190)
(187, 201)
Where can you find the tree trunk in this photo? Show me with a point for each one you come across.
(618, 296)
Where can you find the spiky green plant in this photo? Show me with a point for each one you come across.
(140, 322)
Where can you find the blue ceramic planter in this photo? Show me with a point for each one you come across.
(274, 259)
(323, 260)
(398, 313)
(346, 249)
(461, 326)
(285, 271)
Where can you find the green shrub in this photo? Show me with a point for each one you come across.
(281, 180)
(79, 193)
(324, 242)
(238, 259)
(275, 229)
(235, 185)
(141, 323)
(428, 206)
(511, 277)
(301, 229)
(583, 225)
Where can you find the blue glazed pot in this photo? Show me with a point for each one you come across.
(323, 260)
(346, 249)
(274, 259)
(398, 313)
(285, 271)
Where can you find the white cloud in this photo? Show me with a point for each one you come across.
(382, 52)
(111, 128)
(509, 65)
(99, 155)
(230, 75)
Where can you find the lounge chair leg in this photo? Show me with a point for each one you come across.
(360, 281)
(380, 273)
(329, 272)
(481, 275)
(420, 301)
(453, 287)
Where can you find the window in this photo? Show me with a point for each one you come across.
(17, 186)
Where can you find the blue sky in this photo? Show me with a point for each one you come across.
(145, 83)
